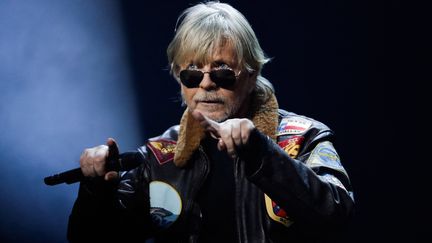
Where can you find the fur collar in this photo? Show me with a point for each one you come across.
(264, 116)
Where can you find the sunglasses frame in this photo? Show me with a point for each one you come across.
(215, 79)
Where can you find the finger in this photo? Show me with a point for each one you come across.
(207, 123)
(112, 175)
(112, 159)
(113, 150)
(86, 167)
(246, 127)
(221, 145)
(236, 133)
(227, 139)
(99, 156)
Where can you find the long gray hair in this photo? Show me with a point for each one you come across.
(204, 27)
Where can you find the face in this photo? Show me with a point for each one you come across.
(219, 103)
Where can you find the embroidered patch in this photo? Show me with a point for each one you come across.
(165, 204)
(292, 145)
(163, 150)
(277, 213)
(293, 125)
(324, 154)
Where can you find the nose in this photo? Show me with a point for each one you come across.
(207, 83)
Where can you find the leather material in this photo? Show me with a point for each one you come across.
(280, 197)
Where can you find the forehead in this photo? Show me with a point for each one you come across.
(222, 53)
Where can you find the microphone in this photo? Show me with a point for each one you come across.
(126, 161)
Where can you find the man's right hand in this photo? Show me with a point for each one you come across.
(93, 160)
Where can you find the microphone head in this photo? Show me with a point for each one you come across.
(52, 180)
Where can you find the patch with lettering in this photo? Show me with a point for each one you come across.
(293, 125)
(292, 145)
(277, 213)
(165, 204)
(324, 154)
(163, 150)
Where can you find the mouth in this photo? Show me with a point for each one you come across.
(209, 105)
(209, 101)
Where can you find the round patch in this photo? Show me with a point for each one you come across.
(165, 204)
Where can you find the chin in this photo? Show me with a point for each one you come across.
(218, 116)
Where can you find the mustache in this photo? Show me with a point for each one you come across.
(208, 97)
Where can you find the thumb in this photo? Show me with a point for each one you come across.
(112, 161)
(113, 150)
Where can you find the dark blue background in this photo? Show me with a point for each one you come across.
(73, 73)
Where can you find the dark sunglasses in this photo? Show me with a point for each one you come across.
(223, 78)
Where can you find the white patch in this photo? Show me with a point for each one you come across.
(165, 204)
(324, 154)
(293, 125)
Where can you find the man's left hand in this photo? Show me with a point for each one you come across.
(232, 133)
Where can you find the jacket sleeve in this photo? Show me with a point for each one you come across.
(314, 190)
(108, 211)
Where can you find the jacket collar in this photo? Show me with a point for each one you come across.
(263, 115)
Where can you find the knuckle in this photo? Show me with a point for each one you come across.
(101, 147)
(246, 122)
(236, 136)
(225, 133)
(99, 160)
(84, 153)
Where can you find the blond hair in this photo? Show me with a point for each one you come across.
(204, 27)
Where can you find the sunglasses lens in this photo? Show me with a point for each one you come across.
(223, 77)
(191, 78)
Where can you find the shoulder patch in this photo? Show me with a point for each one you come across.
(293, 125)
(324, 154)
(163, 150)
(292, 145)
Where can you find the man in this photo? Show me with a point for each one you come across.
(236, 169)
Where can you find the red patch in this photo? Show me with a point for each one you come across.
(291, 127)
(292, 145)
(163, 150)
(278, 210)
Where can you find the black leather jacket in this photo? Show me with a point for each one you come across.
(295, 190)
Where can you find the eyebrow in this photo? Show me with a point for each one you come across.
(219, 62)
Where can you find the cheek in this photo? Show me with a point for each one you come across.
(233, 100)
(188, 95)
(239, 98)
(243, 90)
